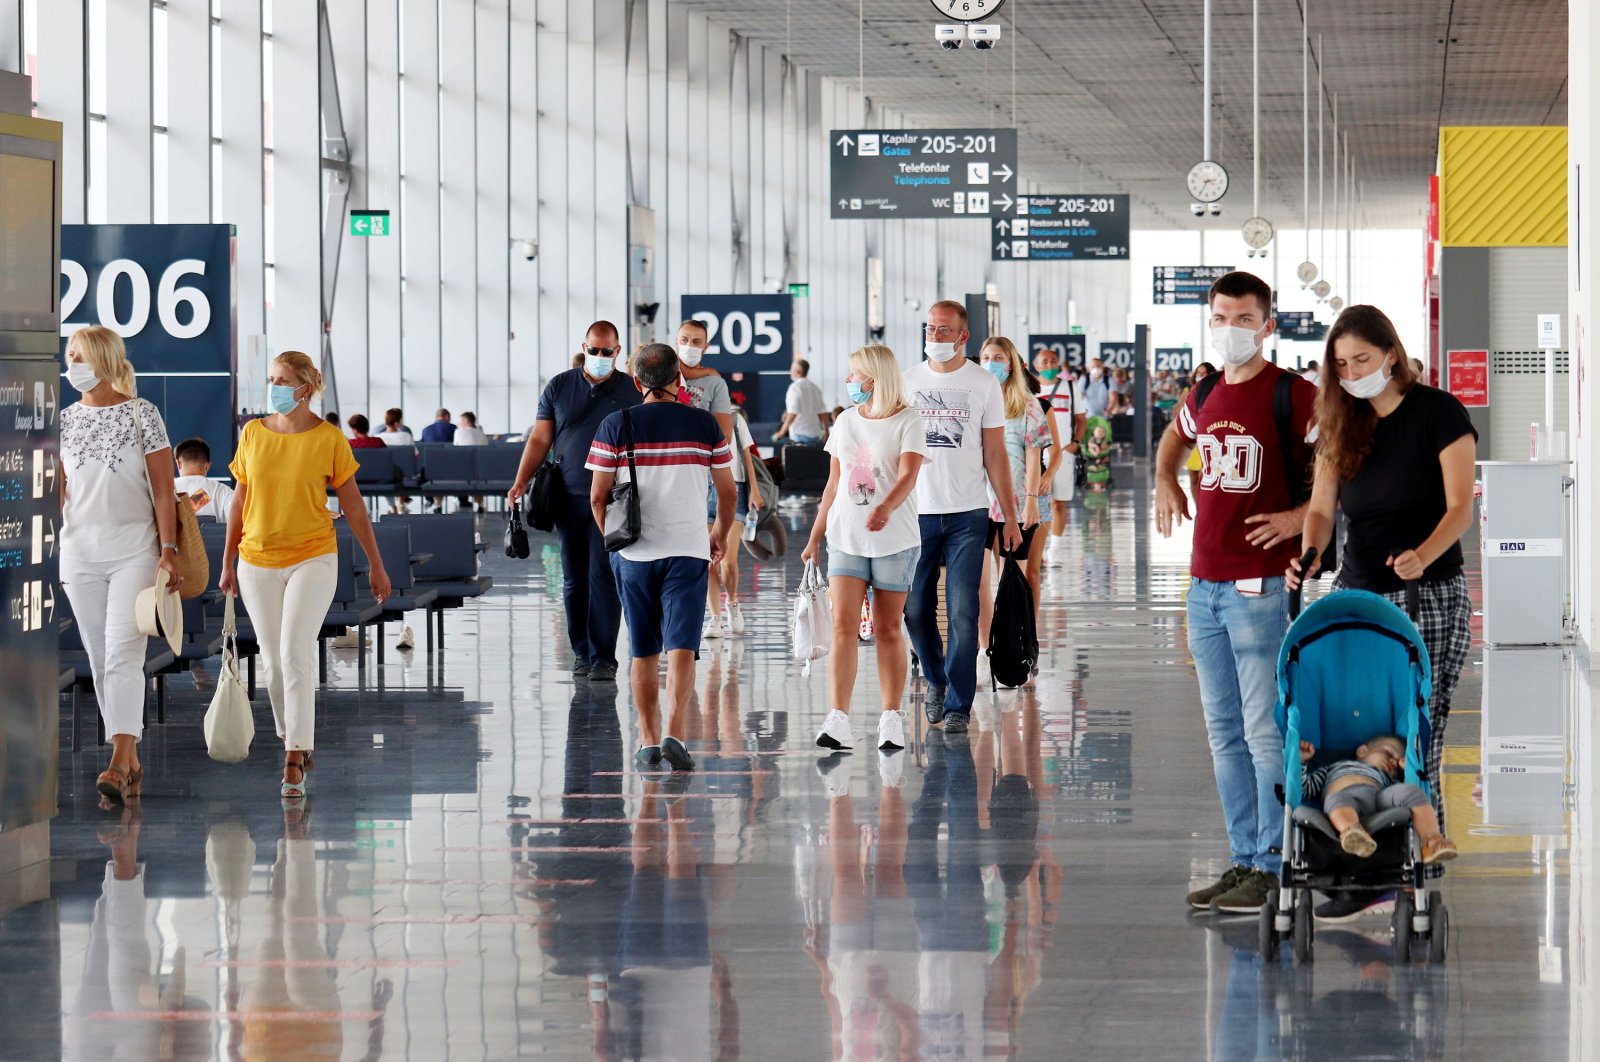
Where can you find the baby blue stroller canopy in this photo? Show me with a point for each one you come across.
(1352, 666)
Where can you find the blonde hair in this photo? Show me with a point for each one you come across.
(101, 349)
(1016, 390)
(878, 363)
(303, 369)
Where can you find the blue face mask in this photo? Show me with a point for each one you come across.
(999, 369)
(599, 366)
(858, 394)
(281, 398)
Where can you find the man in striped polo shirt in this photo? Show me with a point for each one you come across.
(679, 452)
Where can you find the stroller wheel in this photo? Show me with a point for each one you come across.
(1400, 926)
(1438, 928)
(1268, 937)
(1303, 926)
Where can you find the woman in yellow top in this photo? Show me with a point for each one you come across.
(280, 536)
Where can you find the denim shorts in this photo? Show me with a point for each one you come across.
(741, 508)
(664, 602)
(892, 573)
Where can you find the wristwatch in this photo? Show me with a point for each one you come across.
(173, 546)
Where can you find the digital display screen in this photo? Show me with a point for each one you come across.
(28, 270)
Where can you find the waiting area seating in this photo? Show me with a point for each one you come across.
(434, 470)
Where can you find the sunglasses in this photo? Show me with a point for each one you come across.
(604, 352)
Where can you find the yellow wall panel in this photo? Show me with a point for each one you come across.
(1503, 186)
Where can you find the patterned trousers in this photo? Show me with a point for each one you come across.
(1446, 626)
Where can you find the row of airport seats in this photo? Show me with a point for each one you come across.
(432, 562)
(437, 469)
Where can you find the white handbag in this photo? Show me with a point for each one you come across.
(229, 725)
(813, 619)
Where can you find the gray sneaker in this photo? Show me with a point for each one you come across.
(1200, 899)
(1247, 894)
(955, 723)
(933, 703)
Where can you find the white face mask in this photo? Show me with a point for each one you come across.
(689, 355)
(1369, 386)
(82, 377)
(940, 352)
(1236, 346)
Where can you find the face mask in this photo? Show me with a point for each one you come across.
(690, 356)
(598, 365)
(940, 352)
(1369, 386)
(1095, 374)
(1049, 374)
(998, 369)
(1234, 345)
(858, 394)
(82, 377)
(281, 399)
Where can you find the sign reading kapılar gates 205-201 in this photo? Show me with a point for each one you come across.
(922, 173)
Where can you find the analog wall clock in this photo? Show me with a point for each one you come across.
(1208, 181)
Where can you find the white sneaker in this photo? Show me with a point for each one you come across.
(408, 638)
(350, 639)
(735, 618)
(891, 731)
(891, 766)
(712, 628)
(835, 732)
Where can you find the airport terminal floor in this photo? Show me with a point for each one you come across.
(483, 872)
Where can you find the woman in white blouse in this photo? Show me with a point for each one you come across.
(115, 455)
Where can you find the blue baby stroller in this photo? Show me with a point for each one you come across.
(1352, 666)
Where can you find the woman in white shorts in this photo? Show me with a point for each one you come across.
(869, 517)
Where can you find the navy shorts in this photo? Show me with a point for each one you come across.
(664, 602)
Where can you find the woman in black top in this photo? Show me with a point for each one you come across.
(1397, 456)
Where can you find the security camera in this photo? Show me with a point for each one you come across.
(1214, 209)
(529, 249)
(1197, 209)
(949, 37)
(984, 37)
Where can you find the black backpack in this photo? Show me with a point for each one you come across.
(1013, 636)
(1299, 478)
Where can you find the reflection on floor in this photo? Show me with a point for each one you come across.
(483, 872)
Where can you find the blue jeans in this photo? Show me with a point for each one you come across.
(954, 540)
(805, 440)
(1234, 640)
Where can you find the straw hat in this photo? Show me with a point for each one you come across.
(159, 614)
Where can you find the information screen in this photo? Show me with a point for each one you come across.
(27, 235)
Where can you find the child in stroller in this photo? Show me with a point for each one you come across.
(1352, 789)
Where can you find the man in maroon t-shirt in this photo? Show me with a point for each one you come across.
(1246, 529)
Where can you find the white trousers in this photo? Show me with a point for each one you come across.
(287, 607)
(102, 594)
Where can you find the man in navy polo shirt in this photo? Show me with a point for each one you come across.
(571, 408)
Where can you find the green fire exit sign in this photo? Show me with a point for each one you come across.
(370, 223)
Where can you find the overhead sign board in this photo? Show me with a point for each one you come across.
(750, 341)
(1184, 285)
(1174, 359)
(1300, 324)
(1467, 376)
(922, 173)
(169, 292)
(1069, 349)
(1061, 228)
(1119, 355)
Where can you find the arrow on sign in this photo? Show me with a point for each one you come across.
(1003, 202)
(843, 203)
(1004, 173)
(50, 469)
(844, 142)
(49, 602)
(1003, 247)
(50, 537)
(1004, 226)
(50, 403)
(360, 225)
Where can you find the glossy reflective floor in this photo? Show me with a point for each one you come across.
(484, 874)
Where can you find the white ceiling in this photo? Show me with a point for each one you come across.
(1108, 93)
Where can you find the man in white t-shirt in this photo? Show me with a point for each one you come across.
(210, 497)
(963, 418)
(805, 411)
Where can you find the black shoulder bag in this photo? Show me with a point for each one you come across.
(546, 495)
(1299, 479)
(624, 524)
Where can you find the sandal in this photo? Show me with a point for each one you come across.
(119, 784)
(296, 790)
